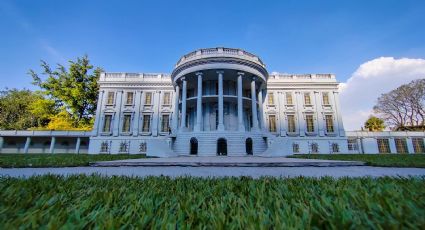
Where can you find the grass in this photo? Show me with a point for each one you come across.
(87, 202)
(386, 160)
(58, 160)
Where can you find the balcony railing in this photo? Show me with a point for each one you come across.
(220, 52)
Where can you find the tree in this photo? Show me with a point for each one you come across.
(404, 106)
(374, 124)
(76, 89)
(16, 109)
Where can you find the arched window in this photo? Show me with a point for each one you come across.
(193, 146)
(248, 146)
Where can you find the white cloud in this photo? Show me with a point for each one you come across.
(369, 81)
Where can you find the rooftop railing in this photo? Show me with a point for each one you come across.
(219, 52)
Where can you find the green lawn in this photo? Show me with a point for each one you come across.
(388, 160)
(58, 160)
(86, 202)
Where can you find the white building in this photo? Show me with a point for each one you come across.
(223, 101)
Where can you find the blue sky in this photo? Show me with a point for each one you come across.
(136, 36)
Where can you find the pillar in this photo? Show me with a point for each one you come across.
(260, 108)
(338, 114)
(300, 116)
(281, 117)
(117, 117)
(176, 109)
(77, 145)
(1, 143)
(98, 113)
(319, 115)
(254, 106)
(220, 101)
(241, 126)
(52, 145)
(27, 144)
(156, 115)
(136, 117)
(184, 94)
(198, 125)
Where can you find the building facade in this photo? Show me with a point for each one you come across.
(223, 101)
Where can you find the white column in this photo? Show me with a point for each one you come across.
(136, 117)
(98, 113)
(281, 108)
(254, 106)
(338, 114)
(117, 117)
(241, 126)
(1, 143)
(184, 94)
(260, 108)
(319, 116)
(300, 116)
(52, 145)
(176, 109)
(220, 101)
(27, 144)
(156, 114)
(77, 145)
(199, 104)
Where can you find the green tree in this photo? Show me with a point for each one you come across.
(75, 88)
(15, 109)
(374, 124)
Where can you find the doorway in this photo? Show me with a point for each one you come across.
(193, 146)
(221, 147)
(248, 146)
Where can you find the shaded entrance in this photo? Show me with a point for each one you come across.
(193, 146)
(248, 146)
(221, 147)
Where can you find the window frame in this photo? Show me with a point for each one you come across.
(129, 124)
(311, 126)
(109, 131)
(162, 122)
(149, 123)
(293, 123)
(274, 130)
(112, 102)
(132, 99)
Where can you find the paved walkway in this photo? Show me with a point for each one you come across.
(226, 161)
(255, 172)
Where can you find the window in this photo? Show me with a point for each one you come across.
(271, 99)
(107, 124)
(352, 144)
(104, 147)
(272, 123)
(307, 99)
(130, 96)
(401, 145)
(291, 123)
(126, 123)
(383, 145)
(314, 148)
(329, 124)
(123, 147)
(295, 148)
(289, 99)
(167, 99)
(148, 98)
(142, 147)
(335, 148)
(165, 123)
(418, 145)
(325, 97)
(110, 100)
(146, 123)
(310, 123)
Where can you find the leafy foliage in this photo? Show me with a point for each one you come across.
(390, 160)
(23, 109)
(58, 160)
(76, 88)
(374, 124)
(95, 202)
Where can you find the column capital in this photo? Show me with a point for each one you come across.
(199, 74)
(240, 73)
(220, 71)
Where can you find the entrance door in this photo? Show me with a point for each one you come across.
(221, 147)
(248, 146)
(193, 146)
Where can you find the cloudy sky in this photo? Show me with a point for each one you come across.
(371, 46)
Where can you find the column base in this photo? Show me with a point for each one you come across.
(220, 127)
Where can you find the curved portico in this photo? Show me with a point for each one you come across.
(218, 91)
